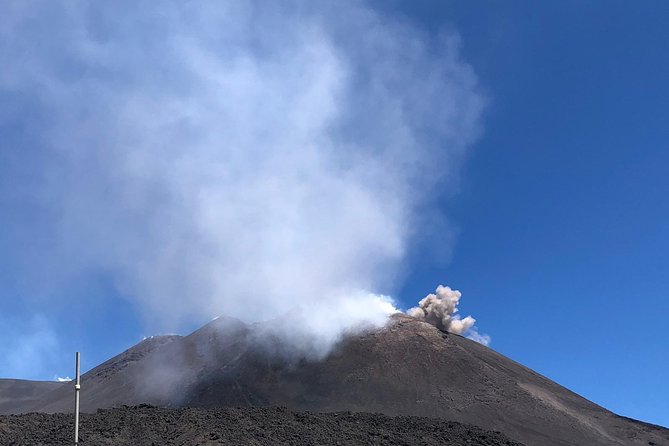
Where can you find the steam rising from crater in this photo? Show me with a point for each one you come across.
(240, 158)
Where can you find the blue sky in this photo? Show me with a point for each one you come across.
(551, 217)
(562, 218)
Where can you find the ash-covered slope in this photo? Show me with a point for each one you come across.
(16, 393)
(407, 368)
(158, 370)
(110, 384)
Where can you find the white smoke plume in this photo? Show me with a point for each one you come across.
(240, 158)
(441, 310)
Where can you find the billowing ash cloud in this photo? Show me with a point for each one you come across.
(241, 158)
(441, 310)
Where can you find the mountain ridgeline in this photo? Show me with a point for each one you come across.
(408, 367)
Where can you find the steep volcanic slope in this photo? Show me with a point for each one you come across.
(158, 370)
(111, 383)
(406, 368)
(16, 393)
(411, 368)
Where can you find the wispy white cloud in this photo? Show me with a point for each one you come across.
(474, 335)
(242, 158)
(28, 347)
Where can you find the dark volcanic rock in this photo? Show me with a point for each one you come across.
(144, 425)
(407, 368)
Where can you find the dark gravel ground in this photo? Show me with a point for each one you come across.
(147, 425)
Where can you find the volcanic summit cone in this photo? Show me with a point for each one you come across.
(408, 367)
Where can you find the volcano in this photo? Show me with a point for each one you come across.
(407, 368)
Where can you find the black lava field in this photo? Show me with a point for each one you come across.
(147, 425)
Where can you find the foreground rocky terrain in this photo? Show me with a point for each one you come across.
(145, 425)
(407, 368)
